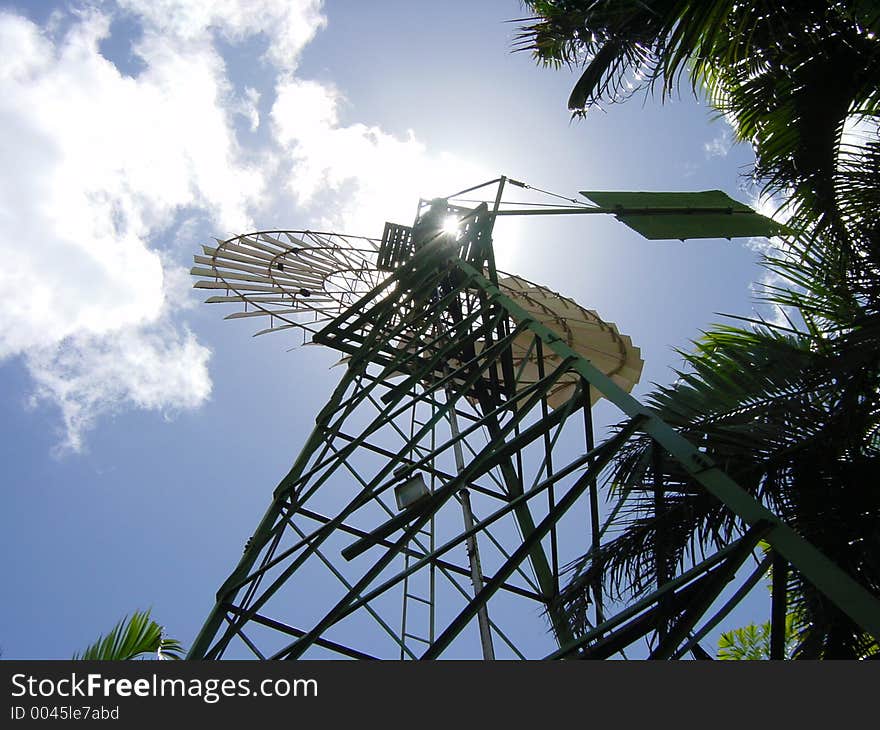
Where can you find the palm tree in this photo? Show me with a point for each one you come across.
(752, 641)
(790, 410)
(133, 638)
(788, 75)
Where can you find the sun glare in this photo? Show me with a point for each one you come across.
(450, 225)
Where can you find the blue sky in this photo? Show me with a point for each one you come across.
(141, 435)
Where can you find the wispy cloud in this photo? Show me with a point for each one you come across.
(96, 165)
(161, 368)
(773, 207)
(288, 25)
(720, 145)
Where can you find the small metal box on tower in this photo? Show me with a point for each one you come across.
(410, 491)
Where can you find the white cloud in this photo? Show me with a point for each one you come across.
(372, 176)
(248, 107)
(156, 368)
(773, 207)
(95, 165)
(720, 145)
(99, 165)
(288, 24)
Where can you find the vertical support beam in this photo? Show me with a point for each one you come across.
(476, 576)
(778, 607)
(537, 556)
(473, 552)
(595, 528)
(490, 252)
(548, 462)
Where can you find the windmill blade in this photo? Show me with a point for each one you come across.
(284, 274)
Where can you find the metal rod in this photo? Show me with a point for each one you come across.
(661, 561)
(520, 553)
(475, 187)
(624, 211)
(548, 465)
(292, 631)
(722, 612)
(432, 545)
(490, 250)
(595, 529)
(778, 607)
(472, 549)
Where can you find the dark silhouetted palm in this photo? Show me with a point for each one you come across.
(787, 74)
(792, 414)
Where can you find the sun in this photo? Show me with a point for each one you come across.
(451, 225)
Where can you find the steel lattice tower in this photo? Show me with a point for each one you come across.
(453, 473)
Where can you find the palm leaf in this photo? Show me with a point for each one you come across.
(132, 638)
(792, 412)
(788, 75)
(793, 416)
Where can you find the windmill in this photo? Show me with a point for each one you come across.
(453, 472)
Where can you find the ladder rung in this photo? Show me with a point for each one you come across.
(417, 638)
(418, 598)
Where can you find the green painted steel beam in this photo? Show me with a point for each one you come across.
(701, 603)
(607, 452)
(634, 609)
(293, 631)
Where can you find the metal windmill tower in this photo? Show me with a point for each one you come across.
(453, 472)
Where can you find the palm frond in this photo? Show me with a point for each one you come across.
(132, 638)
(792, 412)
(793, 416)
(752, 642)
(788, 75)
